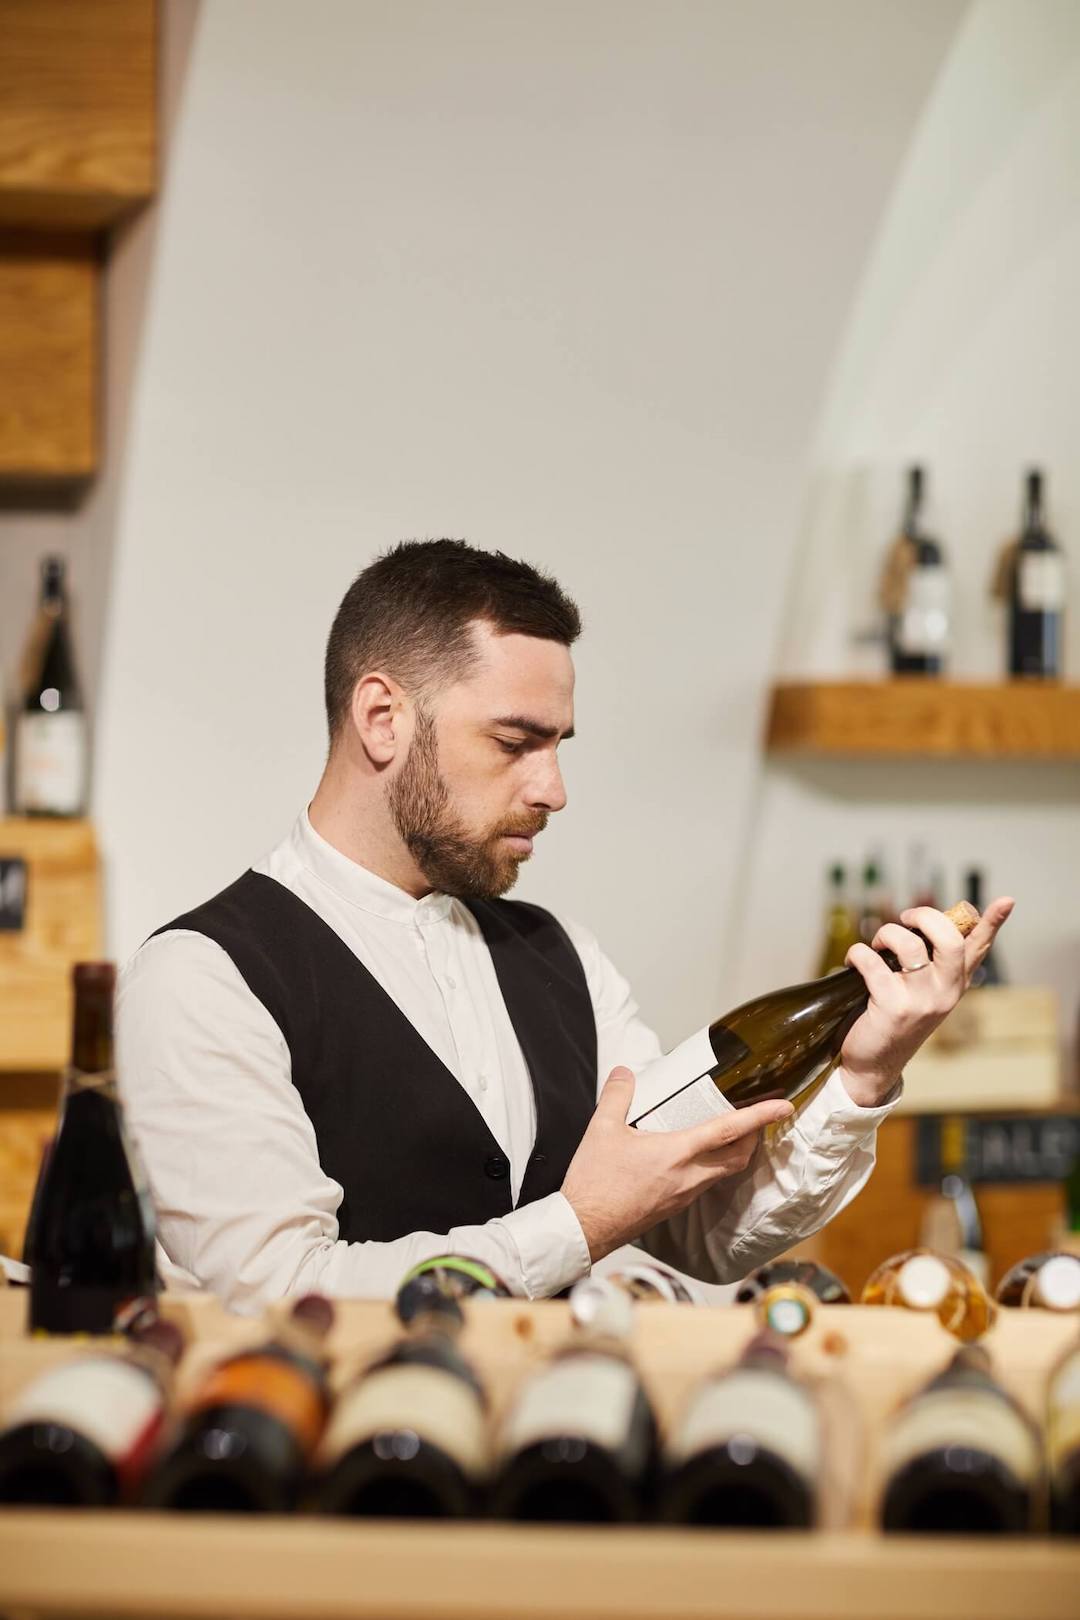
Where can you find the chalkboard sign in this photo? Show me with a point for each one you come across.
(1024, 1147)
(12, 894)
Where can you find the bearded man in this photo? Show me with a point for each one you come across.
(359, 1055)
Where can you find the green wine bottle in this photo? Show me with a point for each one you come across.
(772, 1047)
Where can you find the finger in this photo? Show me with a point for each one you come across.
(907, 947)
(941, 931)
(616, 1094)
(982, 935)
(733, 1127)
(879, 978)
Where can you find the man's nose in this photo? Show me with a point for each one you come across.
(547, 790)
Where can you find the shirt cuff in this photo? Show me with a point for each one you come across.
(833, 1123)
(550, 1243)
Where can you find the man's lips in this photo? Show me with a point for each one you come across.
(519, 841)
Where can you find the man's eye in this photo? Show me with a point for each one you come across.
(510, 747)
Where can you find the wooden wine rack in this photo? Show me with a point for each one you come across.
(865, 1361)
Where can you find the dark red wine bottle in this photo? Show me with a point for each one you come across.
(408, 1437)
(747, 1450)
(1037, 595)
(919, 630)
(83, 1433)
(251, 1428)
(92, 1236)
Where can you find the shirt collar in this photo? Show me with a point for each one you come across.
(359, 886)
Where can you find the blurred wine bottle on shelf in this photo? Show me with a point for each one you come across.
(876, 906)
(83, 1434)
(989, 972)
(915, 592)
(841, 924)
(1050, 1281)
(924, 880)
(1031, 580)
(646, 1283)
(579, 1442)
(961, 1457)
(950, 1223)
(454, 1276)
(92, 1228)
(774, 1046)
(1063, 1443)
(49, 743)
(809, 1274)
(747, 1450)
(252, 1425)
(408, 1437)
(921, 1281)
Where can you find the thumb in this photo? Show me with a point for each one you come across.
(617, 1094)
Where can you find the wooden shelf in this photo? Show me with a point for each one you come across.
(863, 1361)
(299, 1569)
(62, 925)
(913, 717)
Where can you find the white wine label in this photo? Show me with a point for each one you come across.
(1041, 582)
(1063, 1417)
(677, 1090)
(768, 1409)
(116, 1404)
(50, 763)
(438, 1406)
(962, 1417)
(924, 622)
(588, 1395)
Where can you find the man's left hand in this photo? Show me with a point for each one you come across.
(906, 1007)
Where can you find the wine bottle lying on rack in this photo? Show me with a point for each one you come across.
(454, 1276)
(921, 1281)
(1063, 1444)
(252, 1425)
(579, 1442)
(1050, 1281)
(822, 1282)
(772, 1047)
(747, 1451)
(408, 1437)
(83, 1434)
(961, 1458)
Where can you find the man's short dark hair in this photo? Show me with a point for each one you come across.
(409, 614)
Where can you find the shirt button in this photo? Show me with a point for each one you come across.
(497, 1167)
(482, 1081)
(451, 981)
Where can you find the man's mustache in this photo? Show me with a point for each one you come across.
(530, 827)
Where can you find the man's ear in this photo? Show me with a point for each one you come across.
(381, 716)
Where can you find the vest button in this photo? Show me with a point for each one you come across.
(538, 1158)
(497, 1167)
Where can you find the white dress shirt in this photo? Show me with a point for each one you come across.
(244, 1207)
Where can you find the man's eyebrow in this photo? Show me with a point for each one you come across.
(534, 728)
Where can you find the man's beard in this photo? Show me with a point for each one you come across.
(453, 861)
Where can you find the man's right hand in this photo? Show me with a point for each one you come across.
(622, 1181)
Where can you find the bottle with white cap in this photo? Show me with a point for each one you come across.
(1050, 1280)
(919, 1280)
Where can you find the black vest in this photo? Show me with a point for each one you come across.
(392, 1124)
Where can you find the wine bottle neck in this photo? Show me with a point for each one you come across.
(92, 1047)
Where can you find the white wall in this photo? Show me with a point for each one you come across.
(963, 351)
(565, 279)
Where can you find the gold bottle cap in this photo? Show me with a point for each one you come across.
(923, 1282)
(787, 1309)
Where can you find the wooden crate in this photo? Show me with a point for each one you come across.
(998, 1050)
(865, 1361)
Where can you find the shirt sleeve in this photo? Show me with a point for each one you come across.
(803, 1172)
(244, 1207)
